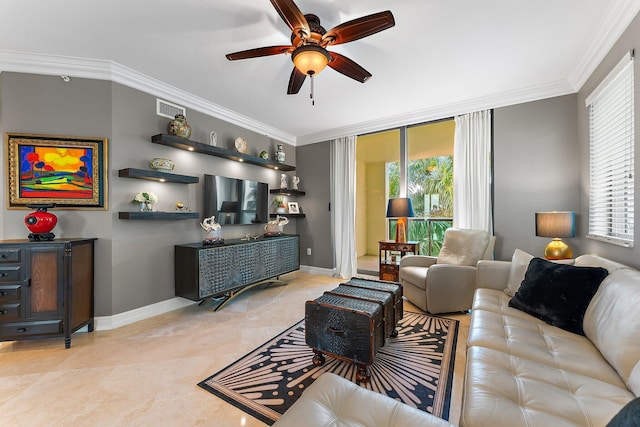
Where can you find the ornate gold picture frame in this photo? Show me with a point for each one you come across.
(69, 171)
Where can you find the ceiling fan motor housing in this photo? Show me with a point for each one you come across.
(317, 31)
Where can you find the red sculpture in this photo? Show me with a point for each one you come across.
(41, 222)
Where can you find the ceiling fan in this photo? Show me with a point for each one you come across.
(309, 41)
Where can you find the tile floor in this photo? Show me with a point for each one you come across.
(145, 374)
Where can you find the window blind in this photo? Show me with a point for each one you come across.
(611, 165)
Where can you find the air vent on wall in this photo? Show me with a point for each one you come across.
(169, 110)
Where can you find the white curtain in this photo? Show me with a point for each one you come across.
(343, 191)
(472, 172)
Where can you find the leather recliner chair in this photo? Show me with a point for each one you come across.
(446, 283)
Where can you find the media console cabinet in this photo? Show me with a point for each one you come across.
(222, 272)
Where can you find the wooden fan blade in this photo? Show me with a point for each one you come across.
(292, 16)
(358, 28)
(346, 66)
(260, 51)
(295, 81)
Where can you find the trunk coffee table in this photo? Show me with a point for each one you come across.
(351, 323)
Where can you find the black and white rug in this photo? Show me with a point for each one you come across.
(415, 368)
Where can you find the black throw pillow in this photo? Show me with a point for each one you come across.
(558, 293)
(629, 415)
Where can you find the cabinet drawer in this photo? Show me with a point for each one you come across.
(10, 312)
(10, 255)
(9, 273)
(9, 293)
(24, 329)
(389, 268)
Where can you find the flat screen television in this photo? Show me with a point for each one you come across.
(236, 201)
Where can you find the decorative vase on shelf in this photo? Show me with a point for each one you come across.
(146, 207)
(279, 154)
(162, 165)
(179, 127)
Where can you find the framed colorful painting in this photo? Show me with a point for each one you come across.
(69, 171)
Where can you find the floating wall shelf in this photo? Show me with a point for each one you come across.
(151, 175)
(159, 215)
(300, 215)
(198, 147)
(287, 192)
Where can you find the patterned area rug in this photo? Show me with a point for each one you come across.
(415, 368)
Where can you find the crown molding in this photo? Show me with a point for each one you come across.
(25, 62)
(620, 15)
(518, 96)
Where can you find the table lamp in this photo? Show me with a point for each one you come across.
(556, 225)
(400, 208)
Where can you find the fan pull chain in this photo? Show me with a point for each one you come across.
(313, 101)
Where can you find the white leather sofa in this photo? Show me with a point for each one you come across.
(521, 371)
(332, 401)
(446, 283)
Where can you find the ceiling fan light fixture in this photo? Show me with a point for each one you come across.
(310, 59)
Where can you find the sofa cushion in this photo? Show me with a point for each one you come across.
(519, 334)
(519, 264)
(558, 294)
(612, 323)
(598, 261)
(502, 390)
(334, 401)
(463, 247)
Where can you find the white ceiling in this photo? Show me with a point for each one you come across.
(443, 57)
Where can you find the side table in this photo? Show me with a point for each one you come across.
(390, 252)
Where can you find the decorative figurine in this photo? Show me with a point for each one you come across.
(213, 231)
(283, 181)
(275, 227)
(264, 155)
(179, 127)
(181, 207)
(280, 154)
(296, 181)
(41, 222)
(213, 138)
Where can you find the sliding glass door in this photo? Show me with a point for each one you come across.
(414, 162)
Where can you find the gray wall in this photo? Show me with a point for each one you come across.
(134, 259)
(629, 40)
(46, 105)
(535, 169)
(313, 168)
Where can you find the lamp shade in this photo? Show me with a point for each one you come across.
(310, 59)
(400, 208)
(555, 224)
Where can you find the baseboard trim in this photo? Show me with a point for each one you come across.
(105, 323)
(318, 270)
